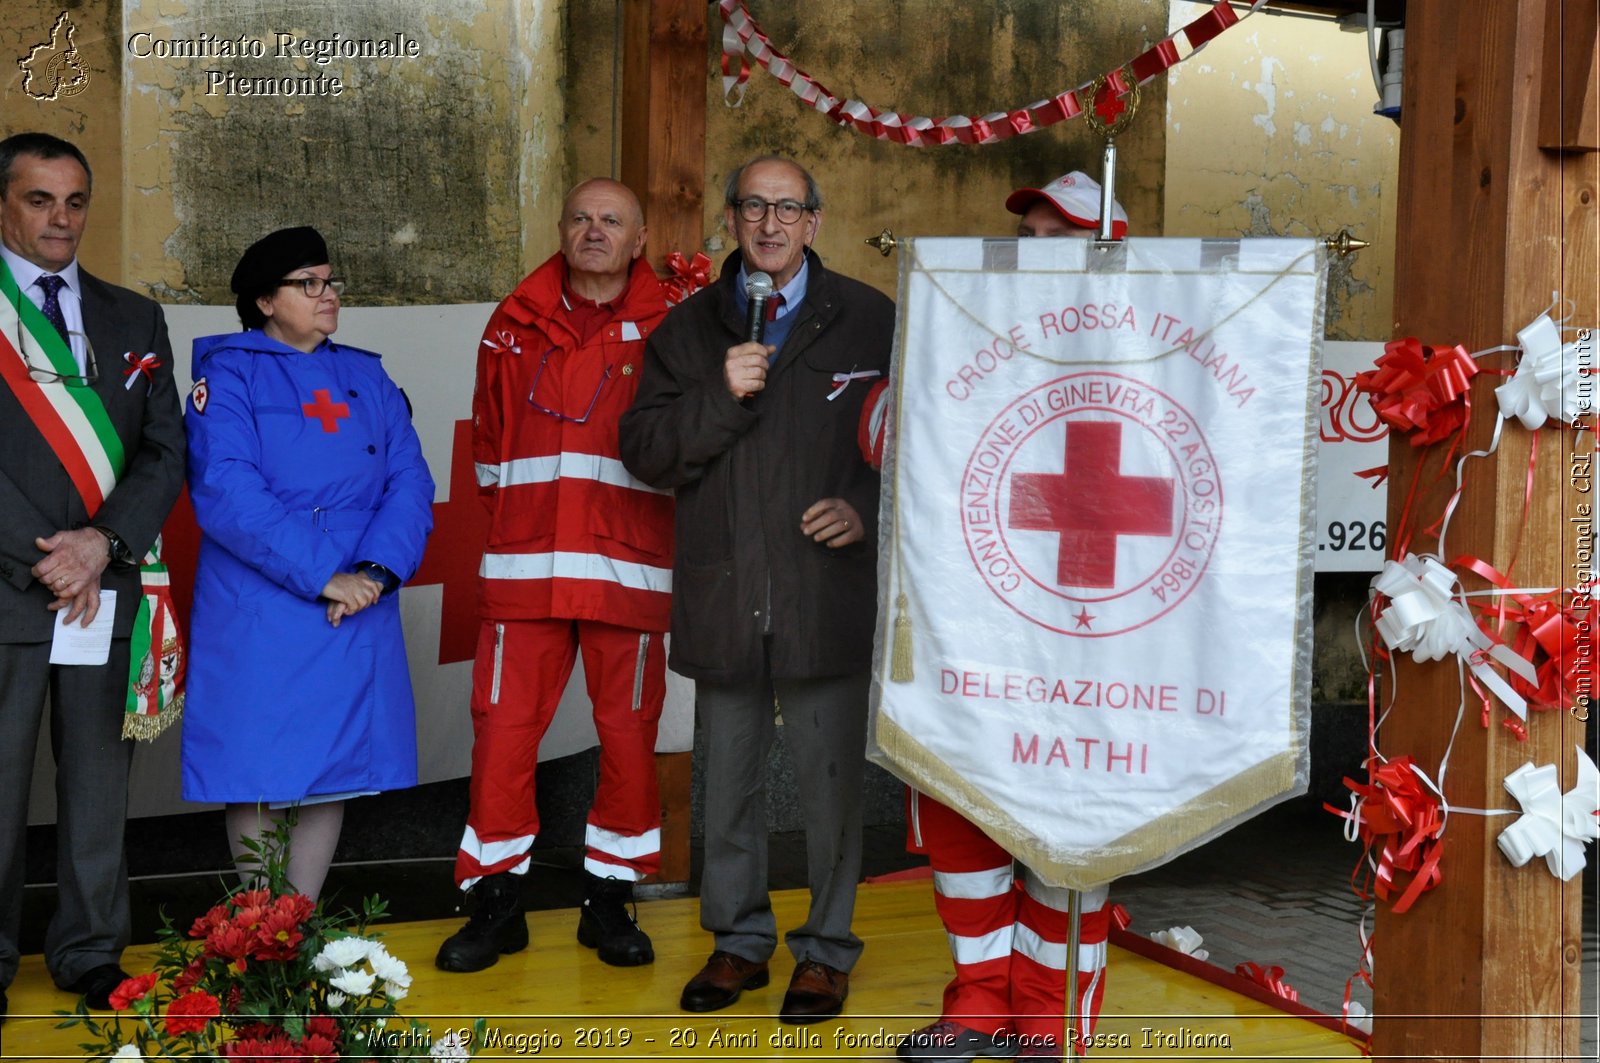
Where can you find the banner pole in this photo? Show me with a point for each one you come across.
(1069, 1047)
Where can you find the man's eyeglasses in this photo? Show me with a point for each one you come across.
(315, 286)
(42, 370)
(538, 373)
(755, 209)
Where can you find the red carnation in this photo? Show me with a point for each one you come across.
(131, 989)
(190, 1012)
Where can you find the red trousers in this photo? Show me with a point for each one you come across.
(520, 670)
(1008, 939)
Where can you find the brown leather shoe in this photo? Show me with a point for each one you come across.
(720, 982)
(816, 992)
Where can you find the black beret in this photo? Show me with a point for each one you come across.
(265, 262)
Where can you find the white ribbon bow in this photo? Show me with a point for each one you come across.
(1184, 939)
(843, 380)
(1424, 618)
(1546, 382)
(502, 342)
(1553, 825)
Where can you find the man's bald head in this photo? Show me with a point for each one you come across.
(602, 231)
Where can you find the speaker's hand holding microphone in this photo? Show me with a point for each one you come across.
(745, 367)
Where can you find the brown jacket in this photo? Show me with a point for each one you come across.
(746, 471)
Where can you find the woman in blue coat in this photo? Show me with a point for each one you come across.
(314, 505)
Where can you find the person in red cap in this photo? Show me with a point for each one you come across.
(1007, 932)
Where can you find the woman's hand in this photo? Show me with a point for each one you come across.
(348, 593)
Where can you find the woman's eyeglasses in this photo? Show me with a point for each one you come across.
(315, 286)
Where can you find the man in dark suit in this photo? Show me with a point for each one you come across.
(91, 460)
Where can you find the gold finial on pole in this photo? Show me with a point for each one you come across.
(884, 242)
(1346, 243)
(1108, 115)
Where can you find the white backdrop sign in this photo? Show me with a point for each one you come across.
(1097, 540)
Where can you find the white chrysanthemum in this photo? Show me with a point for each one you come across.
(336, 998)
(343, 952)
(387, 967)
(396, 991)
(127, 1052)
(356, 983)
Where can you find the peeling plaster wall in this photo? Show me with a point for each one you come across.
(77, 97)
(429, 174)
(1270, 132)
(932, 57)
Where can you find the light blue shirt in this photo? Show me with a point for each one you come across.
(70, 297)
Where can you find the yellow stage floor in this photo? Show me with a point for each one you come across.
(558, 1001)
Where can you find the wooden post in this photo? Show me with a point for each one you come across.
(1486, 966)
(663, 137)
(664, 119)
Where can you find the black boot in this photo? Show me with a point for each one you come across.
(605, 924)
(497, 925)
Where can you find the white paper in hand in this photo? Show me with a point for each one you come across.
(76, 644)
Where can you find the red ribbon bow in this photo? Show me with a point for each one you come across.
(688, 276)
(1268, 978)
(1399, 815)
(140, 364)
(1420, 390)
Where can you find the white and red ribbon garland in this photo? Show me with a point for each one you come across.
(742, 40)
(1553, 825)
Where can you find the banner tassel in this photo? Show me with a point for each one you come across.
(900, 658)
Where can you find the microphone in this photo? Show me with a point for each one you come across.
(758, 286)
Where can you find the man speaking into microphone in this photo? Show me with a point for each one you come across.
(748, 407)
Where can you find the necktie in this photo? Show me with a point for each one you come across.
(51, 307)
(774, 304)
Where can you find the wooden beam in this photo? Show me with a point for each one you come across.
(1486, 965)
(663, 137)
(1569, 111)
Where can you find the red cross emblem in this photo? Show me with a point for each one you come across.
(1090, 504)
(326, 410)
(1108, 105)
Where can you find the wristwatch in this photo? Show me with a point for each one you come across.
(378, 574)
(119, 550)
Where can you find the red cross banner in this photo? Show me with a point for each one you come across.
(1097, 540)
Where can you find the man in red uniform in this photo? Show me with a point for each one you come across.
(1008, 932)
(579, 558)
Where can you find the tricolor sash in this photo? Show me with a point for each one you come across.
(75, 425)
